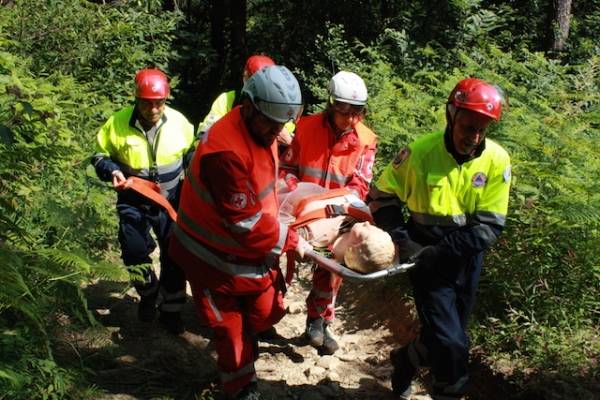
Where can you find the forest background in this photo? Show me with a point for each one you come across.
(66, 65)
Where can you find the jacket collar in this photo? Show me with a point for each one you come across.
(461, 158)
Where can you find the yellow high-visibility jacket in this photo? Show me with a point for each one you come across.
(443, 196)
(121, 144)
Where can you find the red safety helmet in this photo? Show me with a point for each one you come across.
(256, 63)
(151, 83)
(476, 95)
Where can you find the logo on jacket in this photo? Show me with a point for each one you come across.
(400, 157)
(479, 180)
(239, 200)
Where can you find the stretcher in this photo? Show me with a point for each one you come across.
(295, 211)
(152, 191)
(340, 269)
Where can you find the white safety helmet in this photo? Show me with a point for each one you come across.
(275, 92)
(347, 87)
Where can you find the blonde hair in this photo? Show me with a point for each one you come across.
(374, 253)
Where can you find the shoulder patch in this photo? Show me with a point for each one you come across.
(287, 156)
(400, 157)
(239, 200)
(479, 179)
(507, 174)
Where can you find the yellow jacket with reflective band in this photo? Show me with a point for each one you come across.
(126, 145)
(221, 106)
(439, 191)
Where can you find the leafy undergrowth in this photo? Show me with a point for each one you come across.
(127, 360)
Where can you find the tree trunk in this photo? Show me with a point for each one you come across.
(558, 29)
(237, 15)
(217, 40)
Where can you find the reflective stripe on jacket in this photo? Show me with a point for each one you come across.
(439, 192)
(316, 156)
(120, 140)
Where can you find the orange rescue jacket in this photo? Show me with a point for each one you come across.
(328, 167)
(210, 237)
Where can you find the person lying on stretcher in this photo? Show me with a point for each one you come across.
(337, 220)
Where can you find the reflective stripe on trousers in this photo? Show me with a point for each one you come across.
(235, 320)
(321, 299)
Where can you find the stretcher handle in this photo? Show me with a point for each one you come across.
(339, 269)
(150, 190)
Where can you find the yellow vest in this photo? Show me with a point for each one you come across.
(439, 191)
(129, 148)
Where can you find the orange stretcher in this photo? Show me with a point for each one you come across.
(330, 211)
(151, 191)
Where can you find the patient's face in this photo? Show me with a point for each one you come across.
(359, 232)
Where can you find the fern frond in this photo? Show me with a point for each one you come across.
(71, 260)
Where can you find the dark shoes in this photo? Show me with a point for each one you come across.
(147, 308)
(172, 322)
(403, 374)
(445, 396)
(269, 334)
(315, 331)
(455, 391)
(319, 336)
(329, 343)
(250, 392)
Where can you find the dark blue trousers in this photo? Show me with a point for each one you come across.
(444, 297)
(135, 223)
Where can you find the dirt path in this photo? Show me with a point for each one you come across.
(132, 360)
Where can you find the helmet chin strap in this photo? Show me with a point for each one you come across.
(451, 113)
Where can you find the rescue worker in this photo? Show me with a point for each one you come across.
(455, 185)
(333, 149)
(227, 100)
(228, 239)
(148, 140)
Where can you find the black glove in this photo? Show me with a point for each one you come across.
(405, 247)
(427, 258)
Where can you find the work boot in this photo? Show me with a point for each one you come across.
(315, 331)
(269, 334)
(446, 396)
(456, 391)
(403, 374)
(147, 308)
(172, 322)
(249, 392)
(330, 345)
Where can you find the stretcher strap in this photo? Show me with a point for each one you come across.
(328, 194)
(290, 267)
(330, 211)
(151, 191)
